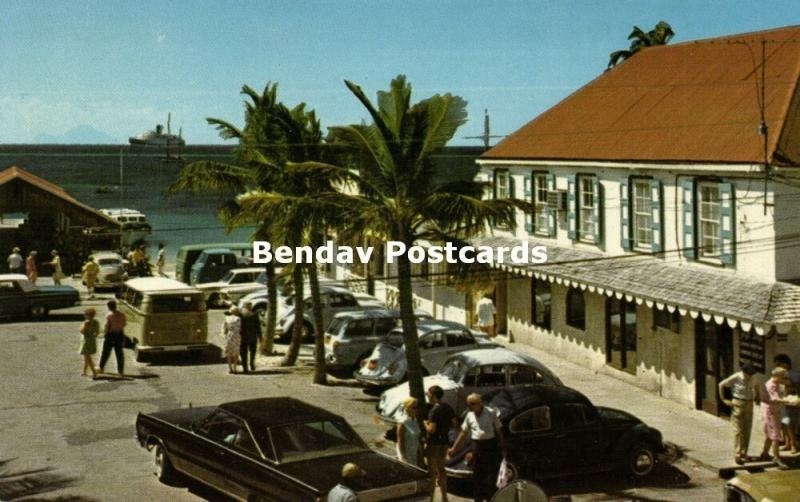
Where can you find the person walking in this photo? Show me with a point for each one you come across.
(791, 414)
(55, 262)
(15, 262)
(30, 267)
(232, 332)
(89, 273)
(482, 424)
(90, 328)
(409, 434)
(486, 315)
(345, 491)
(771, 414)
(160, 260)
(113, 337)
(251, 333)
(743, 392)
(441, 418)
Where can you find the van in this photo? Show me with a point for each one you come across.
(164, 315)
(212, 265)
(187, 255)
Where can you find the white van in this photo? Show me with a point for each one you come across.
(164, 315)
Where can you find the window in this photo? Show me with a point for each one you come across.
(584, 216)
(709, 220)
(666, 320)
(361, 327)
(541, 213)
(533, 420)
(576, 309)
(458, 338)
(523, 375)
(486, 376)
(502, 184)
(642, 215)
(342, 300)
(432, 341)
(586, 203)
(575, 415)
(752, 350)
(540, 303)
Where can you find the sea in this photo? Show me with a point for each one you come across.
(134, 177)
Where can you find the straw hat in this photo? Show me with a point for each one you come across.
(351, 470)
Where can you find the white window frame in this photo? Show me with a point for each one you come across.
(708, 222)
(586, 200)
(502, 192)
(642, 214)
(540, 216)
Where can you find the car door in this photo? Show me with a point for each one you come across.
(535, 446)
(247, 474)
(583, 437)
(12, 298)
(210, 459)
(433, 351)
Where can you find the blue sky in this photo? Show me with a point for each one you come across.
(119, 67)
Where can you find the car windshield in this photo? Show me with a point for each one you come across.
(336, 324)
(227, 277)
(316, 439)
(108, 261)
(454, 369)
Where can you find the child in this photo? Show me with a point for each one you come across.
(89, 331)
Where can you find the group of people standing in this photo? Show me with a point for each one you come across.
(114, 338)
(29, 267)
(481, 424)
(780, 416)
(241, 331)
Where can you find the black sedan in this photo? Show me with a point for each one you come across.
(19, 296)
(274, 449)
(556, 431)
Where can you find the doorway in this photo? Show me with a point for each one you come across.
(714, 362)
(621, 334)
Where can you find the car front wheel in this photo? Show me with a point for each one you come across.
(162, 465)
(641, 460)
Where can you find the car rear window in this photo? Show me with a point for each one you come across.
(315, 439)
(163, 304)
(359, 328)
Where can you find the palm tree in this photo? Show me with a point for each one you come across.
(397, 196)
(660, 35)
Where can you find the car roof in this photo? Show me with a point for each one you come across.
(246, 270)
(497, 355)
(159, 284)
(271, 411)
(524, 396)
(13, 277)
(379, 312)
(429, 325)
(106, 254)
(217, 251)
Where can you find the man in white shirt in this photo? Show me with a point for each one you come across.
(482, 423)
(742, 386)
(345, 491)
(486, 315)
(15, 262)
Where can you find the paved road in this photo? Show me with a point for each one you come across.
(68, 436)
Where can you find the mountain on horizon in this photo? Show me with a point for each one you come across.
(81, 135)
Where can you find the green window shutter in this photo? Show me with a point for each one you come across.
(512, 191)
(527, 186)
(689, 245)
(624, 218)
(492, 193)
(551, 211)
(572, 204)
(597, 211)
(727, 224)
(657, 216)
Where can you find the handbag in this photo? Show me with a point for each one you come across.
(127, 342)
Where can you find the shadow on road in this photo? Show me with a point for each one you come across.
(210, 356)
(15, 485)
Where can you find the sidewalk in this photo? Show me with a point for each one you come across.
(703, 438)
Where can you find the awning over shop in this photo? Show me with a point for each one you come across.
(666, 284)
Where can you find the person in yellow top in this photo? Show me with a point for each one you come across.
(89, 272)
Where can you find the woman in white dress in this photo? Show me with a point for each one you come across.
(408, 434)
(232, 332)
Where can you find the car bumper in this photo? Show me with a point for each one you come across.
(189, 347)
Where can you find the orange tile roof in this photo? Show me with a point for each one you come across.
(691, 102)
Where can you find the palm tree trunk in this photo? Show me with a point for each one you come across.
(297, 328)
(410, 337)
(268, 343)
(320, 376)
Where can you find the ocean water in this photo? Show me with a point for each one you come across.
(83, 169)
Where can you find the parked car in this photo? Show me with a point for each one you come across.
(351, 337)
(335, 299)
(259, 300)
(212, 264)
(557, 431)
(773, 486)
(217, 293)
(187, 255)
(271, 449)
(112, 269)
(480, 370)
(20, 297)
(438, 340)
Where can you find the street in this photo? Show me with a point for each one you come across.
(68, 437)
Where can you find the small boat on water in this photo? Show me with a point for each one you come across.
(133, 224)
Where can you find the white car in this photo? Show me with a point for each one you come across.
(438, 340)
(480, 370)
(236, 282)
(112, 269)
(258, 298)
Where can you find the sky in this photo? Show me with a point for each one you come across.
(120, 67)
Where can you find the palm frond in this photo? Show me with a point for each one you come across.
(208, 175)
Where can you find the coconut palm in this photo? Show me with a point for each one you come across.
(661, 34)
(398, 197)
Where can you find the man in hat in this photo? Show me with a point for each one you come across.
(15, 262)
(743, 392)
(345, 490)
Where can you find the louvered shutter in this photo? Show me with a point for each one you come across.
(551, 211)
(572, 203)
(597, 211)
(527, 186)
(689, 246)
(656, 216)
(727, 224)
(624, 215)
